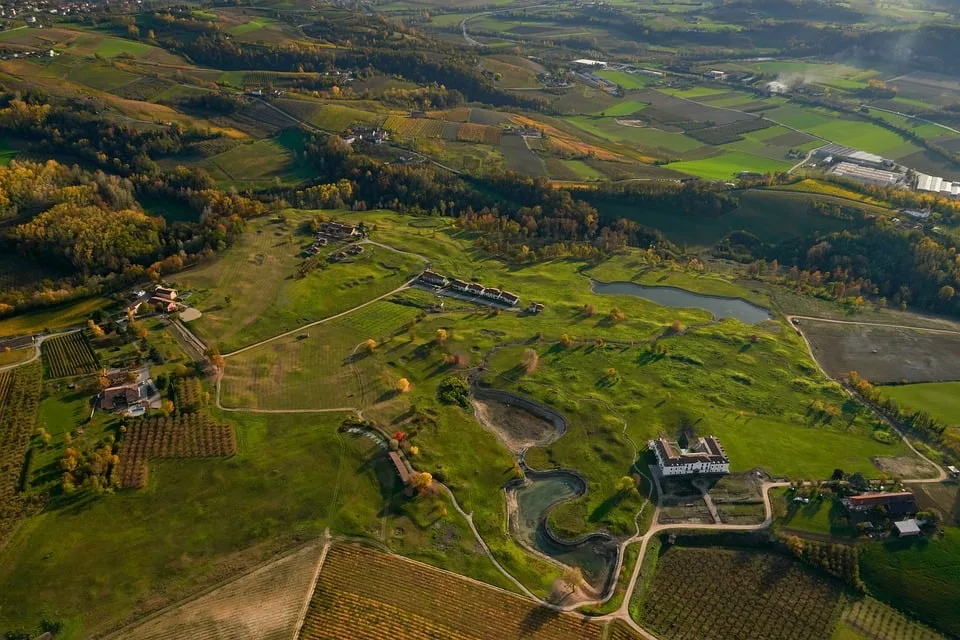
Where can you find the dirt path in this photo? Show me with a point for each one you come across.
(790, 319)
(301, 328)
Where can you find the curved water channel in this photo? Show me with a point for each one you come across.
(520, 423)
(719, 306)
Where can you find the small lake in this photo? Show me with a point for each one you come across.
(719, 306)
(595, 556)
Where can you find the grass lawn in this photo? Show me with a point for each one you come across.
(261, 163)
(270, 299)
(826, 517)
(940, 399)
(727, 165)
(15, 356)
(583, 170)
(625, 108)
(75, 313)
(6, 153)
(247, 27)
(627, 80)
(919, 575)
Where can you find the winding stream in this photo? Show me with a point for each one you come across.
(530, 501)
(720, 307)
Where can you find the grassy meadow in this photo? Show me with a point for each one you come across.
(919, 575)
(940, 399)
(269, 299)
(202, 520)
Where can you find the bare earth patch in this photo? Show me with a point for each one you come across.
(904, 466)
(263, 604)
(517, 428)
(884, 354)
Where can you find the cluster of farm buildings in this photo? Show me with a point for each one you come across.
(871, 169)
(333, 230)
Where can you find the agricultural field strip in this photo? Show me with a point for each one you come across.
(941, 473)
(917, 118)
(36, 349)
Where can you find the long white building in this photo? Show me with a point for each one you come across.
(706, 455)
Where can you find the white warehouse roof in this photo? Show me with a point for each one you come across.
(590, 63)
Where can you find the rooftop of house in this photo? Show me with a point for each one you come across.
(706, 449)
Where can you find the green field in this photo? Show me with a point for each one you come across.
(645, 137)
(252, 25)
(625, 108)
(54, 318)
(262, 163)
(727, 165)
(940, 399)
(293, 477)
(269, 299)
(918, 575)
(627, 80)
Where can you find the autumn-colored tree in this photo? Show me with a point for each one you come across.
(589, 310)
(414, 451)
(616, 315)
(103, 382)
(403, 385)
(566, 341)
(626, 485)
(441, 336)
(167, 407)
(676, 327)
(421, 481)
(95, 329)
(370, 345)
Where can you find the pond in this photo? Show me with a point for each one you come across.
(719, 306)
(595, 556)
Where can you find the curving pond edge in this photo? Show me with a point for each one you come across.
(598, 546)
(719, 307)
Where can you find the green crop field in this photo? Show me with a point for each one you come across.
(748, 594)
(918, 575)
(247, 27)
(727, 165)
(627, 80)
(645, 137)
(940, 399)
(625, 108)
